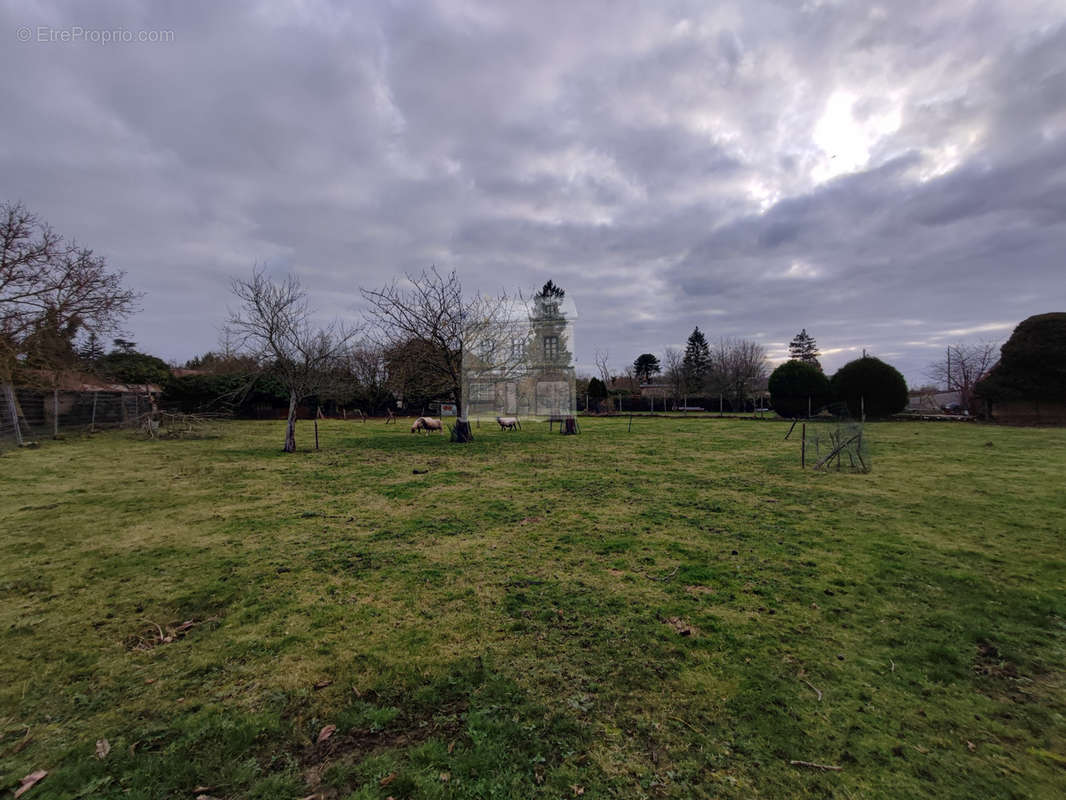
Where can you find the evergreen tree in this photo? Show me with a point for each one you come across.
(92, 351)
(129, 366)
(546, 301)
(550, 291)
(645, 366)
(597, 389)
(697, 361)
(870, 387)
(804, 348)
(798, 389)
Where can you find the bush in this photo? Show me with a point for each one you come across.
(1032, 364)
(872, 384)
(792, 383)
(133, 367)
(227, 393)
(597, 390)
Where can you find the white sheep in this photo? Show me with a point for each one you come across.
(427, 424)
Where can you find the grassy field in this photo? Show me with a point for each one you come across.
(678, 611)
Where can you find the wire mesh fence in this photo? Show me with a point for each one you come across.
(32, 413)
(838, 442)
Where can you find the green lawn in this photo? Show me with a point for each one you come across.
(678, 611)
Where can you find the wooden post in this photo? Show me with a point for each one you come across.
(862, 407)
(92, 419)
(808, 406)
(719, 405)
(630, 428)
(9, 392)
(803, 446)
(55, 412)
(316, 432)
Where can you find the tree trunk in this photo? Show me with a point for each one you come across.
(290, 428)
(461, 432)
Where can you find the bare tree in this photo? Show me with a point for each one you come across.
(738, 370)
(962, 367)
(431, 311)
(274, 323)
(602, 359)
(674, 361)
(50, 289)
(367, 367)
(49, 284)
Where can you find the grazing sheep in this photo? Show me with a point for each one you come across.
(509, 423)
(427, 424)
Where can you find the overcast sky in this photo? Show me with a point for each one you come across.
(889, 176)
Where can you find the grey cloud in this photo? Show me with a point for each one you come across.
(662, 163)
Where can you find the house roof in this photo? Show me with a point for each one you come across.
(83, 382)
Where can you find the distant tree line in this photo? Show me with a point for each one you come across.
(863, 387)
(59, 303)
(729, 375)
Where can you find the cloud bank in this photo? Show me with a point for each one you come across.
(888, 177)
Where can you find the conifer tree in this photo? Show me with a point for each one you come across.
(697, 361)
(645, 366)
(92, 351)
(804, 348)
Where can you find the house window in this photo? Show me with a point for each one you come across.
(551, 348)
(518, 348)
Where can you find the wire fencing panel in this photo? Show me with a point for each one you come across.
(42, 413)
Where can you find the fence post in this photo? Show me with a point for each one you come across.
(55, 412)
(9, 392)
(92, 419)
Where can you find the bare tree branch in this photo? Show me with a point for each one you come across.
(49, 283)
(602, 360)
(274, 324)
(963, 366)
(738, 370)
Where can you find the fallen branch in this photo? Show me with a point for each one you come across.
(835, 451)
(812, 765)
(688, 724)
(817, 691)
(663, 578)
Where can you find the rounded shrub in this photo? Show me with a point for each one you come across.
(1032, 364)
(792, 383)
(872, 384)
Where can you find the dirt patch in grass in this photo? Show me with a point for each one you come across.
(682, 627)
